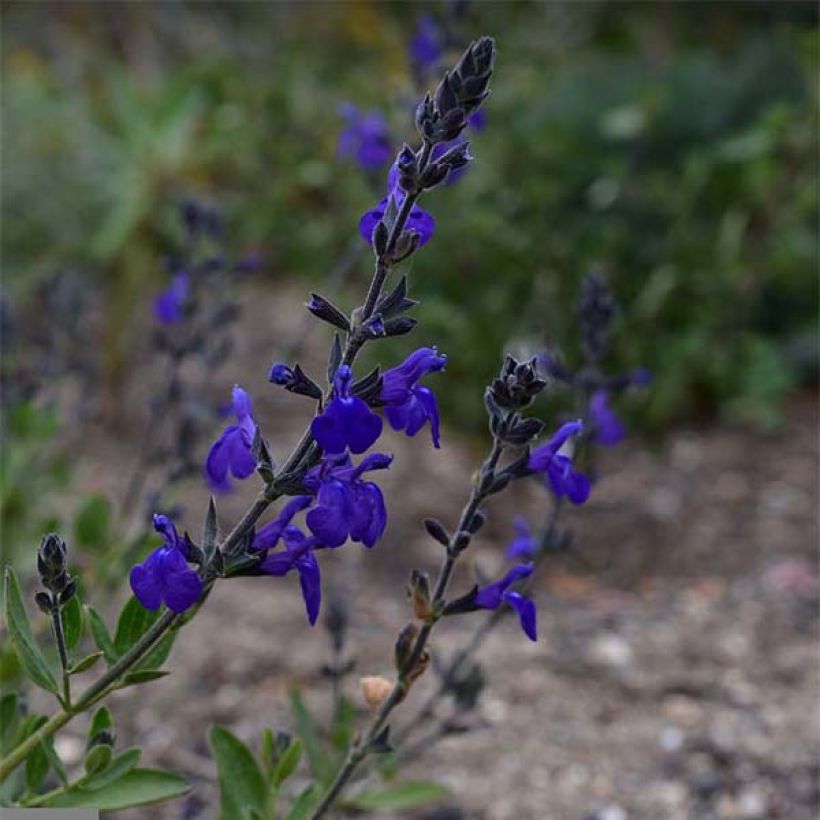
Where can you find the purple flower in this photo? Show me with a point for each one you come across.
(347, 421)
(164, 577)
(231, 452)
(419, 220)
(365, 138)
(562, 478)
(346, 506)
(608, 429)
(493, 595)
(408, 405)
(427, 44)
(523, 545)
(267, 537)
(298, 555)
(169, 305)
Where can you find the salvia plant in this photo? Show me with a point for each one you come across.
(330, 496)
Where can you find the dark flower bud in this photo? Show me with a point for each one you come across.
(407, 243)
(476, 522)
(425, 113)
(336, 621)
(517, 384)
(596, 312)
(294, 380)
(51, 563)
(381, 234)
(435, 529)
(407, 167)
(399, 326)
(466, 603)
(45, 602)
(433, 175)
(404, 645)
(368, 387)
(68, 592)
(456, 157)
(325, 310)
(462, 541)
(264, 460)
(419, 594)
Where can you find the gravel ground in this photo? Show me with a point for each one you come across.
(675, 674)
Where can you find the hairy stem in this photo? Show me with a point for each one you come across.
(59, 639)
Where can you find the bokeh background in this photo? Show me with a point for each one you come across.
(672, 147)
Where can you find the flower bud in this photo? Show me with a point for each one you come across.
(51, 563)
(375, 689)
(419, 594)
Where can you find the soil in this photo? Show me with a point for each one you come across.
(675, 675)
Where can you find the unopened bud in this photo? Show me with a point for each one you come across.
(375, 689)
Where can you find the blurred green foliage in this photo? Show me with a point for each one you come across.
(671, 145)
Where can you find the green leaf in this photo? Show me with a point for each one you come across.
(268, 751)
(54, 760)
(407, 795)
(99, 631)
(141, 676)
(101, 722)
(8, 717)
(31, 659)
(287, 763)
(85, 663)
(92, 522)
(241, 783)
(98, 758)
(36, 762)
(303, 804)
(133, 623)
(159, 654)
(320, 762)
(136, 788)
(73, 621)
(119, 765)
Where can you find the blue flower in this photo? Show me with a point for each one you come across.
(524, 545)
(169, 305)
(607, 427)
(346, 506)
(365, 138)
(267, 537)
(165, 577)
(562, 478)
(408, 405)
(419, 220)
(298, 555)
(347, 421)
(493, 595)
(231, 452)
(427, 44)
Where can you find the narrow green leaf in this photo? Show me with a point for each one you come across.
(119, 765)
(407, 795)
(142, 676)
(320, 763)
(136, 788)
(99, 631)
(9, 717)
(85, 663)
(31, 659)
(92, 522)
(73, 621)
(36, 762)
(133, 623)
(159, 654)
(241, 783)
(303, 804)
(268, 752)
(287, 763)
(54, 760)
